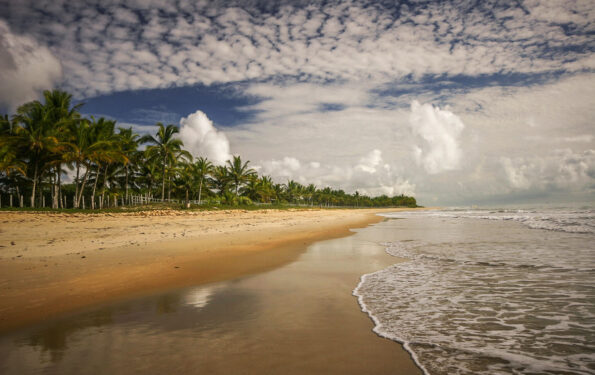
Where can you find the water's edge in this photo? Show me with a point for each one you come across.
(377, 324)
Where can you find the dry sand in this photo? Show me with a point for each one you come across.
(52, 263)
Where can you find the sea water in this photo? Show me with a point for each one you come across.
(489, 291)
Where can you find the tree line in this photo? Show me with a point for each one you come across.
(44, 141)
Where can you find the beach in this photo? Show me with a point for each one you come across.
(52, 263)
(283, 305)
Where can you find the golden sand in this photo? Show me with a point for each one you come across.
(52, 263)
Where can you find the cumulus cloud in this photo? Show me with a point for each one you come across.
(26, 68)
(370, 176)
(283, 168)
(563, 169)
(201, 138)
(439, 129)
(370, 162)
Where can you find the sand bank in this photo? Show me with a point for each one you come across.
(55, 263)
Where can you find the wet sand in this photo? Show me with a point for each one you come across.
(52, 264)
(298, 318)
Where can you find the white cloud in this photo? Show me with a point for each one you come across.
(284, 168)
(318, 71)
(201, 138)
(439, 130)
(334, 147)
(370, 162)
(370, 176)
(563, 169)
(26, 68)
(332, 41)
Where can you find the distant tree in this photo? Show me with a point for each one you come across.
(35, 137)
(165, 148)
(239, 173)
(202, 167)
(129, 142)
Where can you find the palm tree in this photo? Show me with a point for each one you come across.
(260, 188)
(252, 188)
(293, 190)
(81, 145)
(220, 179)
(187, 177)
(278, 190)
(103, 152)
(308, 192)
(37, 138)
(9, 162)
(239, 173)
(203, 167)
(60, 115)
(165, 148)
(129, 142)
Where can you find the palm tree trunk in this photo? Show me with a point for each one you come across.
(200, 191)
(59, 186)
(126, 194)
(34, 185)
(55, 195)
(94, 189)
(76, 185)
(187, 203)
(163, 184)
(168, 187)
(103, 186)
(78, 199)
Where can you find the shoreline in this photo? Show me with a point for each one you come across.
(72, 262)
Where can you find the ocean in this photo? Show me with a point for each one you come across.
(489, 291)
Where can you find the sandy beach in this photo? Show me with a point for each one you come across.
(241, 292)
(53, 263)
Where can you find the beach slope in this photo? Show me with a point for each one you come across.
(54, 263)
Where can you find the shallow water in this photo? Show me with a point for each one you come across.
(496, 292)
(297, 319)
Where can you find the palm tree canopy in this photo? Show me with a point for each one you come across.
(239, 172)
(164, 146)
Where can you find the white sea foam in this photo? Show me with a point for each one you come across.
(515, 303)
(571, 221)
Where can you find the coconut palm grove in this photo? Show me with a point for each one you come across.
(113, 167)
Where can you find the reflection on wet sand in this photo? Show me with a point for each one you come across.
(300, 318)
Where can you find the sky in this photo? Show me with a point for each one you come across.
(455, 102)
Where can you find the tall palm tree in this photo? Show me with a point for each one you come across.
(203, 167)
(148, 173)
(165, 148)
(128, 142)
(252, 188)
(104, 150)
(239, 172)
(9, 161)
(186, 178)
(220, 179)
(61, 114)
(81, 145)
(308, 192)
(293, 190)
(266, 189)
(37, 138)
(279, 190)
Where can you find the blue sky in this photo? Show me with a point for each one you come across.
(456, 102)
